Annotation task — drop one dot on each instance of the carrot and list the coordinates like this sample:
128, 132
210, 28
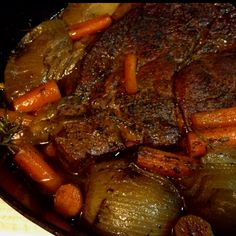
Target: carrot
33, 164
50, 150
216, 118
223, 136
195, 145
38, 97
179, 119
89, 27
165, 163
220, 136
130, 80
68, 200
17, 117
192, 225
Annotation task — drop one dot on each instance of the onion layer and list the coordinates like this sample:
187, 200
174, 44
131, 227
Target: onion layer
121, 201
211, 192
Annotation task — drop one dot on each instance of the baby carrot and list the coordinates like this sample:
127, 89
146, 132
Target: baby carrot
68, 200
165, 163
130, 80
216, 118
192, 225
220, 136
38, 97
195, 145
17, 117
89, 27
33, 164
50, 150
215, 137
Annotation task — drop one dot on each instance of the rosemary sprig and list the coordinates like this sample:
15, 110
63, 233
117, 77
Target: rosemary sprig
8, 130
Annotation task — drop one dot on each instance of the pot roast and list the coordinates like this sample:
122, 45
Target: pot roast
186, 63
130, 152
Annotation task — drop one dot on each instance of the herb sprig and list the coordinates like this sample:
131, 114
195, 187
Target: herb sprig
8, 130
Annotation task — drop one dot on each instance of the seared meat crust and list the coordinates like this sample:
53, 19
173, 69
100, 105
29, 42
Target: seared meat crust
207, 84
166, 39
181, 31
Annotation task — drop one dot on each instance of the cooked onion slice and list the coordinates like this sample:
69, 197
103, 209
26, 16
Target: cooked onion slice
122, 201
76, 13
211, 192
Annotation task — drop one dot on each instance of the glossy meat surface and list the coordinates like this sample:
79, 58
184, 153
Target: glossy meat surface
180, 31
114, 120
207, 84
166, 38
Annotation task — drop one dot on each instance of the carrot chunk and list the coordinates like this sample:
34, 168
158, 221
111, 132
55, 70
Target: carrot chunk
220, 136
223, 136
130, 80
17, 117
195, 145
33, 164
50, 151
89, 27
192, 225
216, 118
38, 97
68, 200
165, 163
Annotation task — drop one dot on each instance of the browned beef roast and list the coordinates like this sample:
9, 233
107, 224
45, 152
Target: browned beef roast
176, 30
207, 84
165, 38
116, 120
